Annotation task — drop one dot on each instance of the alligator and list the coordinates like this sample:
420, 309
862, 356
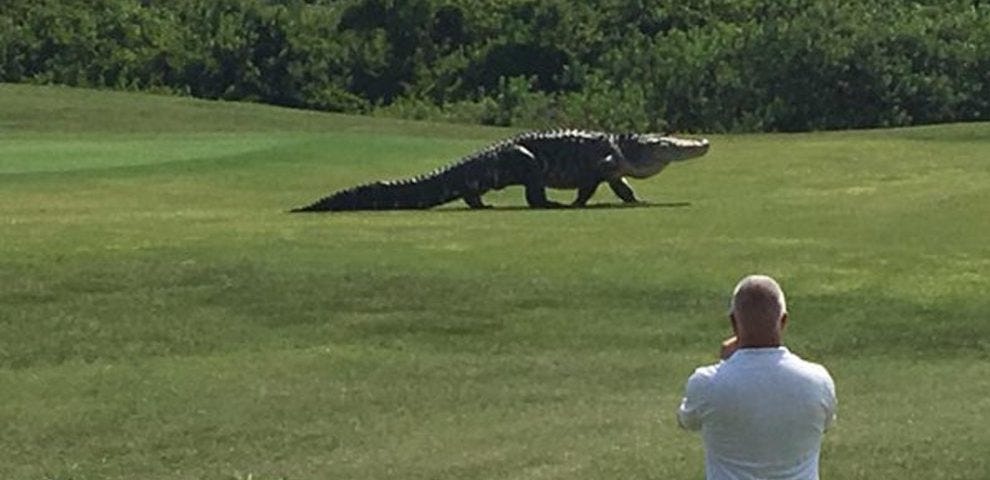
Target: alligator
564, 159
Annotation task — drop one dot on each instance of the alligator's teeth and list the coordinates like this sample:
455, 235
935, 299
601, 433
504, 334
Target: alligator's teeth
687, 142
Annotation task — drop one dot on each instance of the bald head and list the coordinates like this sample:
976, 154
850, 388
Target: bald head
758, 308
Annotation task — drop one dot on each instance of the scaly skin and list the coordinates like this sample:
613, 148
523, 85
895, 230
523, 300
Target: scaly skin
565, 159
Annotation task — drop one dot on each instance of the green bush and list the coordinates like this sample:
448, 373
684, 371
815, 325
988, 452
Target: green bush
711, 65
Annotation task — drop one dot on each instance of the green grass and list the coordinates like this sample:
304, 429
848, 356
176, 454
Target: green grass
162, 317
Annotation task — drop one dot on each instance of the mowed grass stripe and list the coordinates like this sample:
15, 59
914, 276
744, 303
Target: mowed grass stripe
451, 416
164, 317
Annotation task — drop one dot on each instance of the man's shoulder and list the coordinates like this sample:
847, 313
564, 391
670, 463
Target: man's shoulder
808, 367
705, 373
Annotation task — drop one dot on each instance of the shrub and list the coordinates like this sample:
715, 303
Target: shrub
779, 65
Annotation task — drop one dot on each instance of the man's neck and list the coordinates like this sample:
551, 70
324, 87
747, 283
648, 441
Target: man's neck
759, 343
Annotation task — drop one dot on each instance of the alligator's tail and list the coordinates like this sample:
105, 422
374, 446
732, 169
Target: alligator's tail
424, 191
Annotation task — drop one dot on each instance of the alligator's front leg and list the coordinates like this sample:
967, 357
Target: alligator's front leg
621, 188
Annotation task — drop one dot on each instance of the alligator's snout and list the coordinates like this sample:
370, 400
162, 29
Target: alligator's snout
687, 148
702, 145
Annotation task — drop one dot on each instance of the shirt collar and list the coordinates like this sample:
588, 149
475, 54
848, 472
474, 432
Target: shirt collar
761, 350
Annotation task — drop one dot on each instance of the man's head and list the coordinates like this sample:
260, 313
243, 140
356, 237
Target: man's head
759, 311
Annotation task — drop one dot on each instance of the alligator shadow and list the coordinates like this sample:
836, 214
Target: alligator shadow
594, 206
510, 208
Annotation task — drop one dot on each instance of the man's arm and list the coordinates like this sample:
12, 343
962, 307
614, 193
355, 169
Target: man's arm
691, 411
831, 402
729, 346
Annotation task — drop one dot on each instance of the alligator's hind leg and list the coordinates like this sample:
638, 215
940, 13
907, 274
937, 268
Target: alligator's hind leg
584, 194
474, 201
536, 192
528, 171
536, 196
621, 188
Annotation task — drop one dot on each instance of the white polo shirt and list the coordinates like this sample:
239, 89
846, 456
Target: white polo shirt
761, 413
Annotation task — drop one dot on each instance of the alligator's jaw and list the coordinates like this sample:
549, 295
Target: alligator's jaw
656, 152
686, 148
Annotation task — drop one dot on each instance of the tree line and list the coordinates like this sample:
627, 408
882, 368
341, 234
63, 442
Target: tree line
686, 65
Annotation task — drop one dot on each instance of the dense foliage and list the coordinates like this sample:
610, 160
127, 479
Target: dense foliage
710, 65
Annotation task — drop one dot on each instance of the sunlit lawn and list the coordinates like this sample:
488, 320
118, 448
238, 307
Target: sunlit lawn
161, 316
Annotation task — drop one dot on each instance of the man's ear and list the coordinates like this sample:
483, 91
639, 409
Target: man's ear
783, 321
732, 320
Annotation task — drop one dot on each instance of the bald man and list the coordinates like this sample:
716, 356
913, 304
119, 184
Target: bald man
762, 410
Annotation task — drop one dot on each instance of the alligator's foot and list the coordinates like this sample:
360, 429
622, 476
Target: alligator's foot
474, 201
633, 202
551, 204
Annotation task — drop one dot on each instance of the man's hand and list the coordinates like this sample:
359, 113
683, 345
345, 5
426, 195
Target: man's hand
729, 346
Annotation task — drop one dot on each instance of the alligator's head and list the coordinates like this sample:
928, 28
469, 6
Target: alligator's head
647, 154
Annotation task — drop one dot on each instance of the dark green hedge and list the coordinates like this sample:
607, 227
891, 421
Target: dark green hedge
711, 65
